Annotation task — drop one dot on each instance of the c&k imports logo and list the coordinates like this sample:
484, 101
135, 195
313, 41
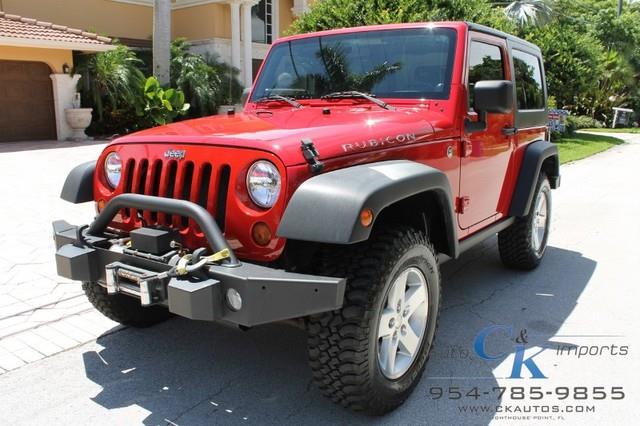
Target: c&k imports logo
520, 360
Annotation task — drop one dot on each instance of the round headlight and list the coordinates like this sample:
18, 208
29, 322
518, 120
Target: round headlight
263, 183
113, 169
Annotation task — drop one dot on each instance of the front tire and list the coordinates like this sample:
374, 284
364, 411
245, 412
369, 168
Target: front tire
370, 355
123, 309
522, 245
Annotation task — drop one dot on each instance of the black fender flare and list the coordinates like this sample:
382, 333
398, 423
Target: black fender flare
535, 155
78, 187
326, 208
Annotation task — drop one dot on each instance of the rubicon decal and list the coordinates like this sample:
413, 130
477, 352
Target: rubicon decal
401, 139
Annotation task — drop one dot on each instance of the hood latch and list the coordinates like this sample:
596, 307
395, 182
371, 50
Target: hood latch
311, 155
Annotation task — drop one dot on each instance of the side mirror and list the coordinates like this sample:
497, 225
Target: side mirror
490, 96
245, 95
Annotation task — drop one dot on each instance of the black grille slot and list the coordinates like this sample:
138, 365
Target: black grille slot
169, 184
156, 173
187, 180
128, 181
221, 202
205, 181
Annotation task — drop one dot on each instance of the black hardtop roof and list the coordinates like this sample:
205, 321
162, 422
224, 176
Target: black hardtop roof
501, 34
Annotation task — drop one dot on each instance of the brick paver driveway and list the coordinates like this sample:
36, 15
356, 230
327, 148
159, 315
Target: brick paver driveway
40, 312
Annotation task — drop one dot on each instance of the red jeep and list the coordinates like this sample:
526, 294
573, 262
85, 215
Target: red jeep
362, 159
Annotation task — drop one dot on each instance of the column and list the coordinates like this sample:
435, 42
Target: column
64, 88
247, 54
235, 33
161, 40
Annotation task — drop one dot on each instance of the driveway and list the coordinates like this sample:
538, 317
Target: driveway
584, 295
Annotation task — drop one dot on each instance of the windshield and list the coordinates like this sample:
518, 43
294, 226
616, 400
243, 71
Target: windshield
409, 63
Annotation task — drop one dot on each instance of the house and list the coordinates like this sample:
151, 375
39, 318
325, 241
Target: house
238, 31
35, 85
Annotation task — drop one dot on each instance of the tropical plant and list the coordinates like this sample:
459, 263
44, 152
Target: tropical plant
158, 106
111, 79
194, 76
527, 12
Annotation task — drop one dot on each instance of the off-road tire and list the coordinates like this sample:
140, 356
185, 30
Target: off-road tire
515, 242
123, 309
342, 344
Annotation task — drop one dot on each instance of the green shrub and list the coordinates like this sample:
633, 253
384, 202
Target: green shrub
328, 14
577, 122
158, 106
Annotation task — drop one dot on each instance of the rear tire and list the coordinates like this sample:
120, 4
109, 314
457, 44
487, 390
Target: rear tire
349, 348
123, 309
522, 245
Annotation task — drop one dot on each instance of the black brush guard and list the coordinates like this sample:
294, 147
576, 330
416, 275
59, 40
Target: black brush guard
267, 294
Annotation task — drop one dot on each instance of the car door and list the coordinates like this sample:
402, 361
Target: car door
485, 154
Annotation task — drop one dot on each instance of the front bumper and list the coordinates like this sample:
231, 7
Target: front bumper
268, 294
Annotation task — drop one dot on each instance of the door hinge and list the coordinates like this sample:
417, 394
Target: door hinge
467, 148
310, 154
462, 203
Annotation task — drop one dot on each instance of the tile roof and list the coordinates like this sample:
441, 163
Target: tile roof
26, 28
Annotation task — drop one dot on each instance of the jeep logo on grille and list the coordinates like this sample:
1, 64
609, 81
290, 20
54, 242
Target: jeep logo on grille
177, 154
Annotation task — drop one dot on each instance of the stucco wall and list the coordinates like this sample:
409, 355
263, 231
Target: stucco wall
202, 22
286, 16
105, 17
111, 18
55, 58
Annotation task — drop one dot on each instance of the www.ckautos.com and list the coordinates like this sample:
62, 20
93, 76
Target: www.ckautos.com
526, 409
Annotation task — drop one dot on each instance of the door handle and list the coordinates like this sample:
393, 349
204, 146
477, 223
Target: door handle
509, 131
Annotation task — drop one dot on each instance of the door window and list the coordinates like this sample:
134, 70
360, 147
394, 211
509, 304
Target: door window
485, 63
529, 91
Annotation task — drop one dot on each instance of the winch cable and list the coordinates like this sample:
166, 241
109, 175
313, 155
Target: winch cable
184, 267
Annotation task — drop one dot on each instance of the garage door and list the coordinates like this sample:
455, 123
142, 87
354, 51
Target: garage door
26, 101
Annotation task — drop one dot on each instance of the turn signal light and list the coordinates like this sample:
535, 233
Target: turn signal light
100, 205
366, 217
261, 234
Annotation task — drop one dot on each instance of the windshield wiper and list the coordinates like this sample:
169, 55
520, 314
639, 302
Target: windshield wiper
274, 97
356, 94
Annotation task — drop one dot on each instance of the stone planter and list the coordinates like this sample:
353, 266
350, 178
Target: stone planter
78, 119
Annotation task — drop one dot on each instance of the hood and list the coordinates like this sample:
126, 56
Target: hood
340, 132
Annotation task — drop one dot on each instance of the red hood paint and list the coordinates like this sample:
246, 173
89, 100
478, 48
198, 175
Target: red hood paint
349, 128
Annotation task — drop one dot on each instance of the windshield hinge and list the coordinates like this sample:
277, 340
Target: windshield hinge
311, 155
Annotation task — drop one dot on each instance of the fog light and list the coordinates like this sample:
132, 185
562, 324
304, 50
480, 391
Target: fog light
234, 300
261, 234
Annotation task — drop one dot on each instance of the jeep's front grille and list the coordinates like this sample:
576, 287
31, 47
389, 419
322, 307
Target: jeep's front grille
202, 183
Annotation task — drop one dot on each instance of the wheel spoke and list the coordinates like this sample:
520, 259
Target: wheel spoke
385, 327
536, 239
413, 299
409, 341
389, 350
396, 294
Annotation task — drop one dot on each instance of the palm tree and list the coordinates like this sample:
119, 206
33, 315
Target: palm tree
527, 12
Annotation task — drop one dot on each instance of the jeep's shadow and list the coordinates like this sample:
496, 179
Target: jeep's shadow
190, 373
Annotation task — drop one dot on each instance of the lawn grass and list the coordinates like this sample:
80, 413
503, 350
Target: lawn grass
605, 130
582, 145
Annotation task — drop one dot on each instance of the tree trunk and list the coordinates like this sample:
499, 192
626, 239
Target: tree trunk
161, 40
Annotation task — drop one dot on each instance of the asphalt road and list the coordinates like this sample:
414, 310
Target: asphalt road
584, 294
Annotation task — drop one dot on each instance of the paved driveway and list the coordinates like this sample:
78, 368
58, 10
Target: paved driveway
40, 313
188, 373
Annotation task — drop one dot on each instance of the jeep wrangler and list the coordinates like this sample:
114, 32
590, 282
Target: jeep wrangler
363, 158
